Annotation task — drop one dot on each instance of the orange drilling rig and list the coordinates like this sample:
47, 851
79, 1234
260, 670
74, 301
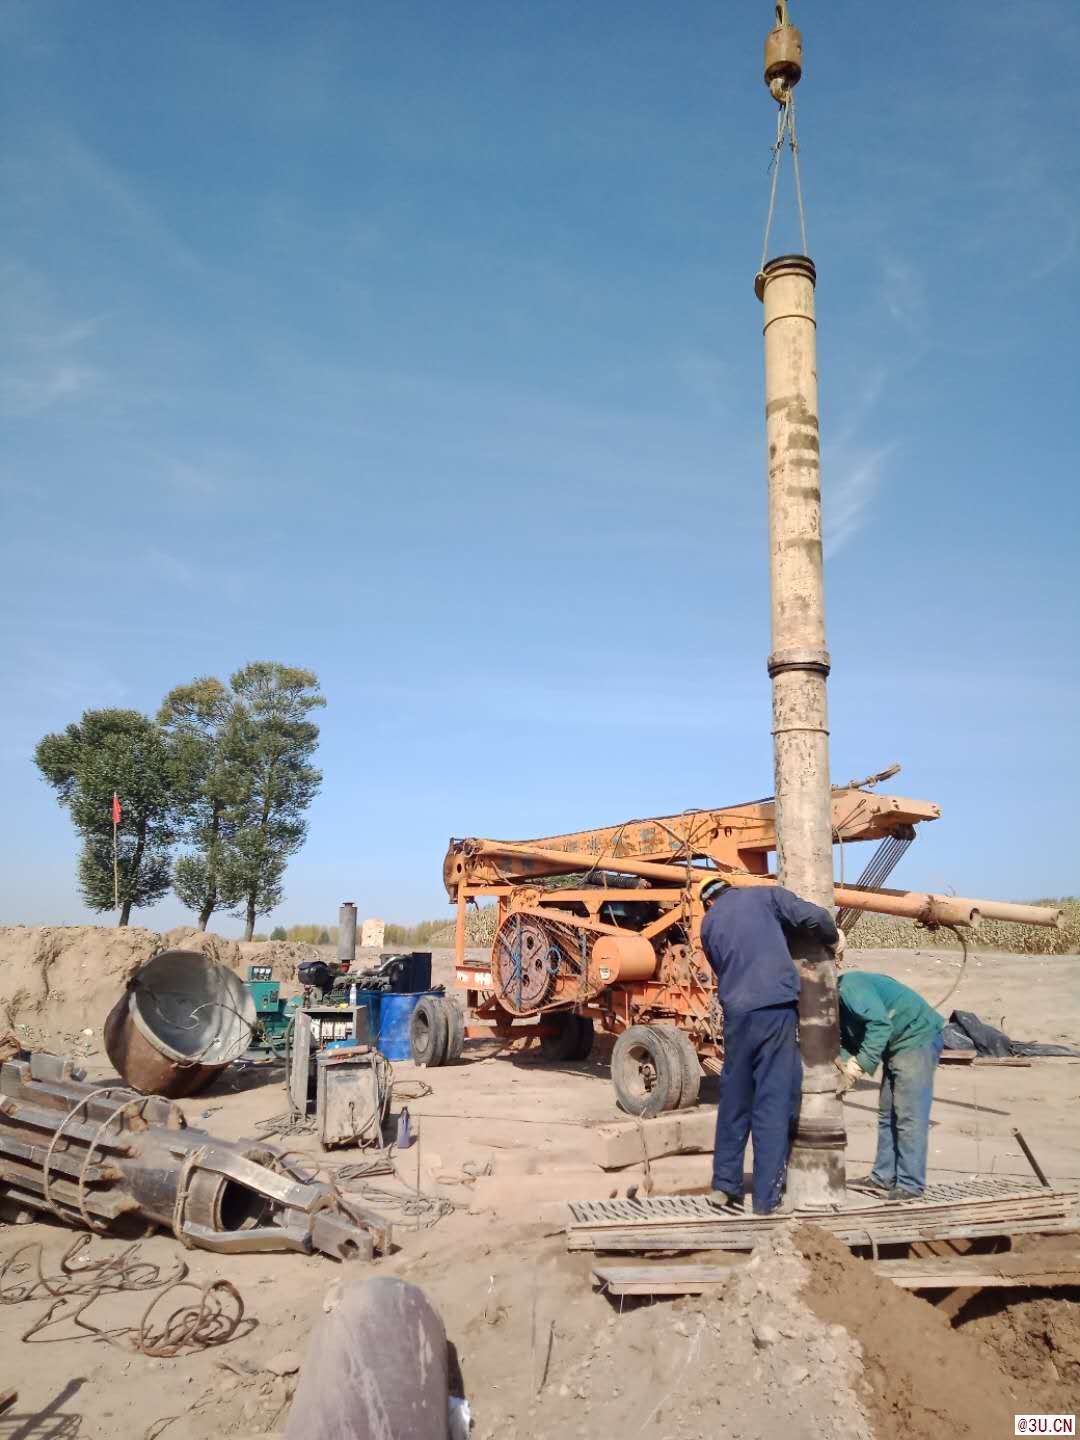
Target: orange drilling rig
603, 927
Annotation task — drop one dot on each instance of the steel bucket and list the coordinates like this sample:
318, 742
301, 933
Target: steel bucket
181, 1021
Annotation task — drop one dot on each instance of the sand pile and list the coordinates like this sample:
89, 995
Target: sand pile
544, 1354
1036, 1342
59, 981
921, 1378
804, 1341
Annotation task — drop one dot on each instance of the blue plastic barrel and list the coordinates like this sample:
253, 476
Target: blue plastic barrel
394, 1016
370, 1000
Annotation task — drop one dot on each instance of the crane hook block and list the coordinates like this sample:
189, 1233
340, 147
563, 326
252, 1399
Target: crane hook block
783, 60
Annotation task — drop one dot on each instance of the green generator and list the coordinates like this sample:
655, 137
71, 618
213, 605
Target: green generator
273, 1015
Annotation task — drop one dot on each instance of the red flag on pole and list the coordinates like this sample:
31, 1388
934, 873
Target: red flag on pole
115, 809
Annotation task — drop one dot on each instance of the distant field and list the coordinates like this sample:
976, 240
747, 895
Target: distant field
873, 932
884, 932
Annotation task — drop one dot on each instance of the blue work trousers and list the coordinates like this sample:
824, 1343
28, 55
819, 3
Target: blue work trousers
760, 1086
907, 1093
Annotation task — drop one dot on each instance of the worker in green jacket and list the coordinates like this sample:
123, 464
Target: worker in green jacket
885, 1023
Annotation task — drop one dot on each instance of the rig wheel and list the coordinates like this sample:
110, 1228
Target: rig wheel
560, 1038
429, 1031
583, 1048
647, 1070
689, 1065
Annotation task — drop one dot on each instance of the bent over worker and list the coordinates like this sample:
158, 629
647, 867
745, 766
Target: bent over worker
745, 936
885, 1023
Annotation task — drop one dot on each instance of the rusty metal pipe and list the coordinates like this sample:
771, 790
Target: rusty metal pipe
906, 904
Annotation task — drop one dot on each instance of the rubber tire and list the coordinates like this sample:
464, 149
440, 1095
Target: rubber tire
561, 1043
585, 1036
666, 1061
455, 1027
429, 1031
688, 1063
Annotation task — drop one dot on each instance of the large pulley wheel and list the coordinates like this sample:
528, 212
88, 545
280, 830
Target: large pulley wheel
647, 1070
525, 961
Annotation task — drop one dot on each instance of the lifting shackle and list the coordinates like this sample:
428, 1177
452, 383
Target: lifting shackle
783, 56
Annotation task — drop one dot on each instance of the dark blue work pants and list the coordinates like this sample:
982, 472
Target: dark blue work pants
760, 1086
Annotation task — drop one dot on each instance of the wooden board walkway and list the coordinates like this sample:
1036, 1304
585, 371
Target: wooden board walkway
955, 1272
990, 1206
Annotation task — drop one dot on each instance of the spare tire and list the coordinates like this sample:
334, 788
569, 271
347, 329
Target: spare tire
429, 1031
689, 1065
646, 1070
455, 1026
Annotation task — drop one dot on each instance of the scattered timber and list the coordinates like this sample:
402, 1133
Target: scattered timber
957, 1272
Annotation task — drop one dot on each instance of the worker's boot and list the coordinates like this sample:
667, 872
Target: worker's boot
897, 1194
721, 1200
870, 1186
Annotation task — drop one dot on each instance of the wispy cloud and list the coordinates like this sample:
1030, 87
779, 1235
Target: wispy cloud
706, 377
41, 363
171, 568
27, 394
855, 478
903, 294
109, 187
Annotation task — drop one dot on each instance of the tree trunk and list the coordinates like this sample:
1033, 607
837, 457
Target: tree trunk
249, 928
132, 876
210, 903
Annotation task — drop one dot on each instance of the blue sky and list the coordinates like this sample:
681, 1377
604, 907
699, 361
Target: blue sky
417, 344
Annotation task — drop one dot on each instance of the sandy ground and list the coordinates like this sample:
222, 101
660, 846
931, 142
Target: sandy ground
500, 1253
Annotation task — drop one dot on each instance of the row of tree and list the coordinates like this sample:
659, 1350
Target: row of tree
224, 772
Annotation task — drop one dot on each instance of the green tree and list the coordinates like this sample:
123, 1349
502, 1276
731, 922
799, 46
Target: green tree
124, 752
278, 933
200, 720
273, 741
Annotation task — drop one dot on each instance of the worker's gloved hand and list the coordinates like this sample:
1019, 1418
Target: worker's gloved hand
840, 946
848, 1071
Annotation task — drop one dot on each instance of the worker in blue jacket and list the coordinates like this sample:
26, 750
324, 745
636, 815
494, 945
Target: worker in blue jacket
745, 936
885, 1023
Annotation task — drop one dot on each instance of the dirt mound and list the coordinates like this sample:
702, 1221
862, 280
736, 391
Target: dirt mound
542, 1353
921, 1377
1036, 1342
59, 981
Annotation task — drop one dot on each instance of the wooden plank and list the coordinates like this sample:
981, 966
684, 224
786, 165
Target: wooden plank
963, 1271
640, 1240
955, 1273
664, 1279
653, 1213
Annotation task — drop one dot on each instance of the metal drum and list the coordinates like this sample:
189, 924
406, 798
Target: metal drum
180, 1022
